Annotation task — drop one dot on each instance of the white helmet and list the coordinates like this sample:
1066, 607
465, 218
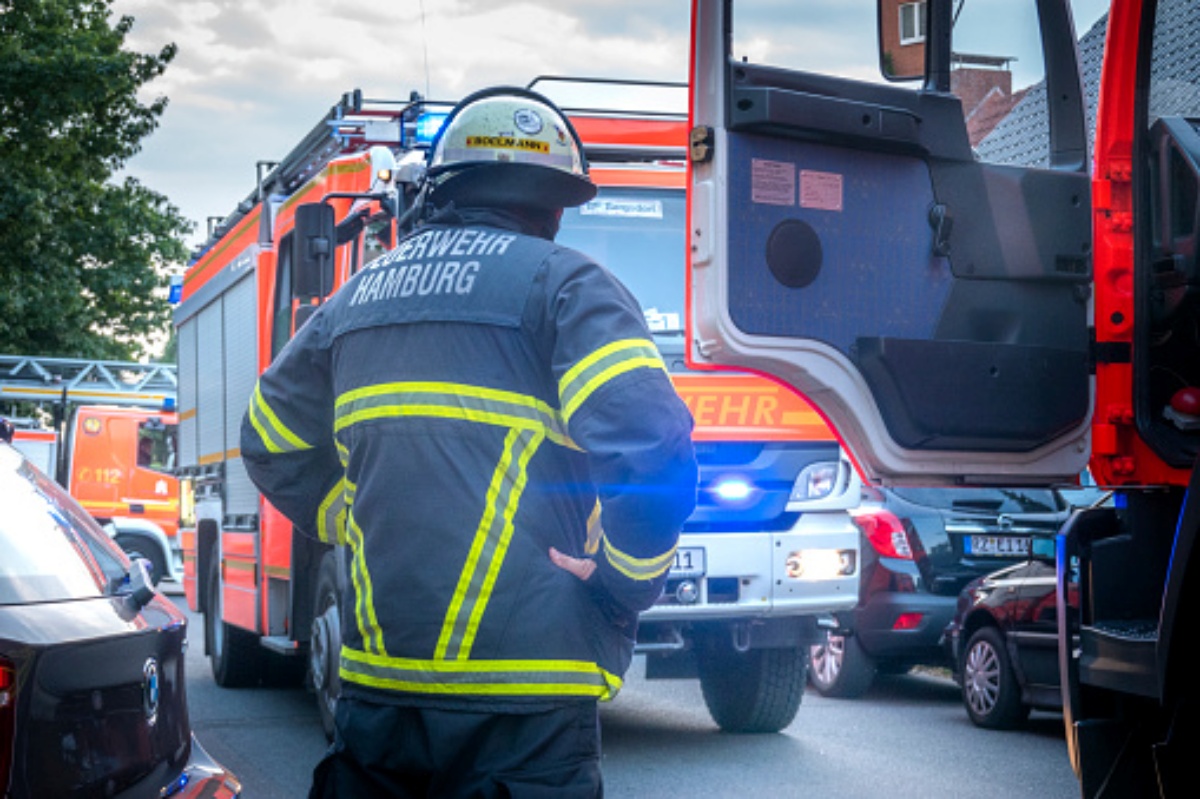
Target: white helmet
507, 146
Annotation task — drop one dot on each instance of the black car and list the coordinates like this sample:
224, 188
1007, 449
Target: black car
920, 547
92, 691
1004, 641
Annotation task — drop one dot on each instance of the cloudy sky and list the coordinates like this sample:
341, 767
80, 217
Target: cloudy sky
254, 76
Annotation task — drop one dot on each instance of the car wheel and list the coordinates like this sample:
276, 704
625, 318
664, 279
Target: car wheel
135, 546
989, 686
840, 668
758, 691
325, 645
234, 654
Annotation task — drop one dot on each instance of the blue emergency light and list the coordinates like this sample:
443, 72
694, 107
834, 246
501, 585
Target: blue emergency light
175, 293
733, 491
428, 125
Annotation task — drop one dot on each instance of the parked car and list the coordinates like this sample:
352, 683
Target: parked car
1003, 639
920, 547
92, 690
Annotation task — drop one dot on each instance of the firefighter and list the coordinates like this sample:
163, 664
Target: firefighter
482, 416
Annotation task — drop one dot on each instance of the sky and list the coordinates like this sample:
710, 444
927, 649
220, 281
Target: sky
252, 77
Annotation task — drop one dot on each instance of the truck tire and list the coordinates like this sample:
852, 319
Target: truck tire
839, 668
136, 546
989, 686
234, 654
325, 644
757, 691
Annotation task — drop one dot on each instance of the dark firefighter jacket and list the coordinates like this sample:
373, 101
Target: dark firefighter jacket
467, 401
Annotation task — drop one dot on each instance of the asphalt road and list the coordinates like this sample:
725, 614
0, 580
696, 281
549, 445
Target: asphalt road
909, 737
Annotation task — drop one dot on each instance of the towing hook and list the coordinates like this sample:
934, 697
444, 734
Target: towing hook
741, 637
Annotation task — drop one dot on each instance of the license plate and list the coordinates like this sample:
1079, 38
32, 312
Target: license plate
1003, 545
689, 562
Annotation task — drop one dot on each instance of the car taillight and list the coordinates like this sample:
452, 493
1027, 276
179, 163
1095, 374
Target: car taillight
885, 532
8, 710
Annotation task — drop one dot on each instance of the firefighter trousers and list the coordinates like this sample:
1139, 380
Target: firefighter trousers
414, 752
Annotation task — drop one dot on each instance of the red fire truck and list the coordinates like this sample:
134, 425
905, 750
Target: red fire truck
1010, 308
770, 549
115, 458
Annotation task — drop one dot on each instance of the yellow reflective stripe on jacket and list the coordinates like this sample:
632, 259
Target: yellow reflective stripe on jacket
585, 377
513, 678
638, 568
275, 435
451, 401
331, 514
489, 546
594, 531
364, 604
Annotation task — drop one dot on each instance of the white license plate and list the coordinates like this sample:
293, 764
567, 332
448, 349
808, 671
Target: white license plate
689, 562
1003, 545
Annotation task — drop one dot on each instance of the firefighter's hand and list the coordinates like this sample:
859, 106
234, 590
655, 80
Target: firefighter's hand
580, 567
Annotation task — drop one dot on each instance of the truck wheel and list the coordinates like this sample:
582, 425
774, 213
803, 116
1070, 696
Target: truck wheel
989, 687
325, 644
135, 546
752, 692
839, 668
234, 654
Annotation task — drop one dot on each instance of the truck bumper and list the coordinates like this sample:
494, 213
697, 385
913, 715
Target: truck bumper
810, 569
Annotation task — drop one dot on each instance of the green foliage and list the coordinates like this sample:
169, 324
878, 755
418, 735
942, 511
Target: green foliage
83, 258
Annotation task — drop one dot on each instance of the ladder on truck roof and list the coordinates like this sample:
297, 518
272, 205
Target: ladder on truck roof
352, 125
82, 380
356, 123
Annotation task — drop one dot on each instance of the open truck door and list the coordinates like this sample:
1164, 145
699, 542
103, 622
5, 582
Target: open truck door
863, 240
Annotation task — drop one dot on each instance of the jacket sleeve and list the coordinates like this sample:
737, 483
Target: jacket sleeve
623, 411
287, 437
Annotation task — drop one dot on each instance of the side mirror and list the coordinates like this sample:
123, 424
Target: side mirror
313, 242
902, 34
141, 587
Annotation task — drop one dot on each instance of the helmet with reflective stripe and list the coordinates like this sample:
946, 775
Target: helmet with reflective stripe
507, 146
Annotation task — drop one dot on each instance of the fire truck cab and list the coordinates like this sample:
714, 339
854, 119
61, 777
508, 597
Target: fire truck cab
974, 290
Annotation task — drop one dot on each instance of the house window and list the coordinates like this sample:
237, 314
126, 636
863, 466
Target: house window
912, 23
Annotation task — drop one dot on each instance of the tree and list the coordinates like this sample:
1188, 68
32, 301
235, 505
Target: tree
84, 258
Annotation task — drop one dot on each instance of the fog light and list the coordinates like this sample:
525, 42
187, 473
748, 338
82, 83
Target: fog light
687, 592
820, 564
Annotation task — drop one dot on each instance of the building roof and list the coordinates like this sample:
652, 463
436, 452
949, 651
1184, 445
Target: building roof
1022, 138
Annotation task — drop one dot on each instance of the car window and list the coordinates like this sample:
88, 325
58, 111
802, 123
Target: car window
50, 549
985, 500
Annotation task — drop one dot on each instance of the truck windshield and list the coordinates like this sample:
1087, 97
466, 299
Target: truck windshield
638, 235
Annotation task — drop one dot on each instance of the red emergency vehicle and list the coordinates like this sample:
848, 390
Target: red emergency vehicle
1016, 303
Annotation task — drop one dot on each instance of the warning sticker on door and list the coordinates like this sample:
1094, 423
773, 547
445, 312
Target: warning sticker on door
772, 182
820, 190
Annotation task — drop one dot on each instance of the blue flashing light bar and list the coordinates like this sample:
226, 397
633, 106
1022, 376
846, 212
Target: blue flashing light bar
428, 125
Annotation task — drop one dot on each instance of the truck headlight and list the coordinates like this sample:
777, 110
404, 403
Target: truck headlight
817, 481
821, 564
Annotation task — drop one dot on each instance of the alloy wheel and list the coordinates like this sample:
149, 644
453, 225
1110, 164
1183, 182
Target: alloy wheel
981, 678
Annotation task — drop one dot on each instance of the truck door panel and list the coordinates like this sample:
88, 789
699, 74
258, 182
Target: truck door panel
861, 251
